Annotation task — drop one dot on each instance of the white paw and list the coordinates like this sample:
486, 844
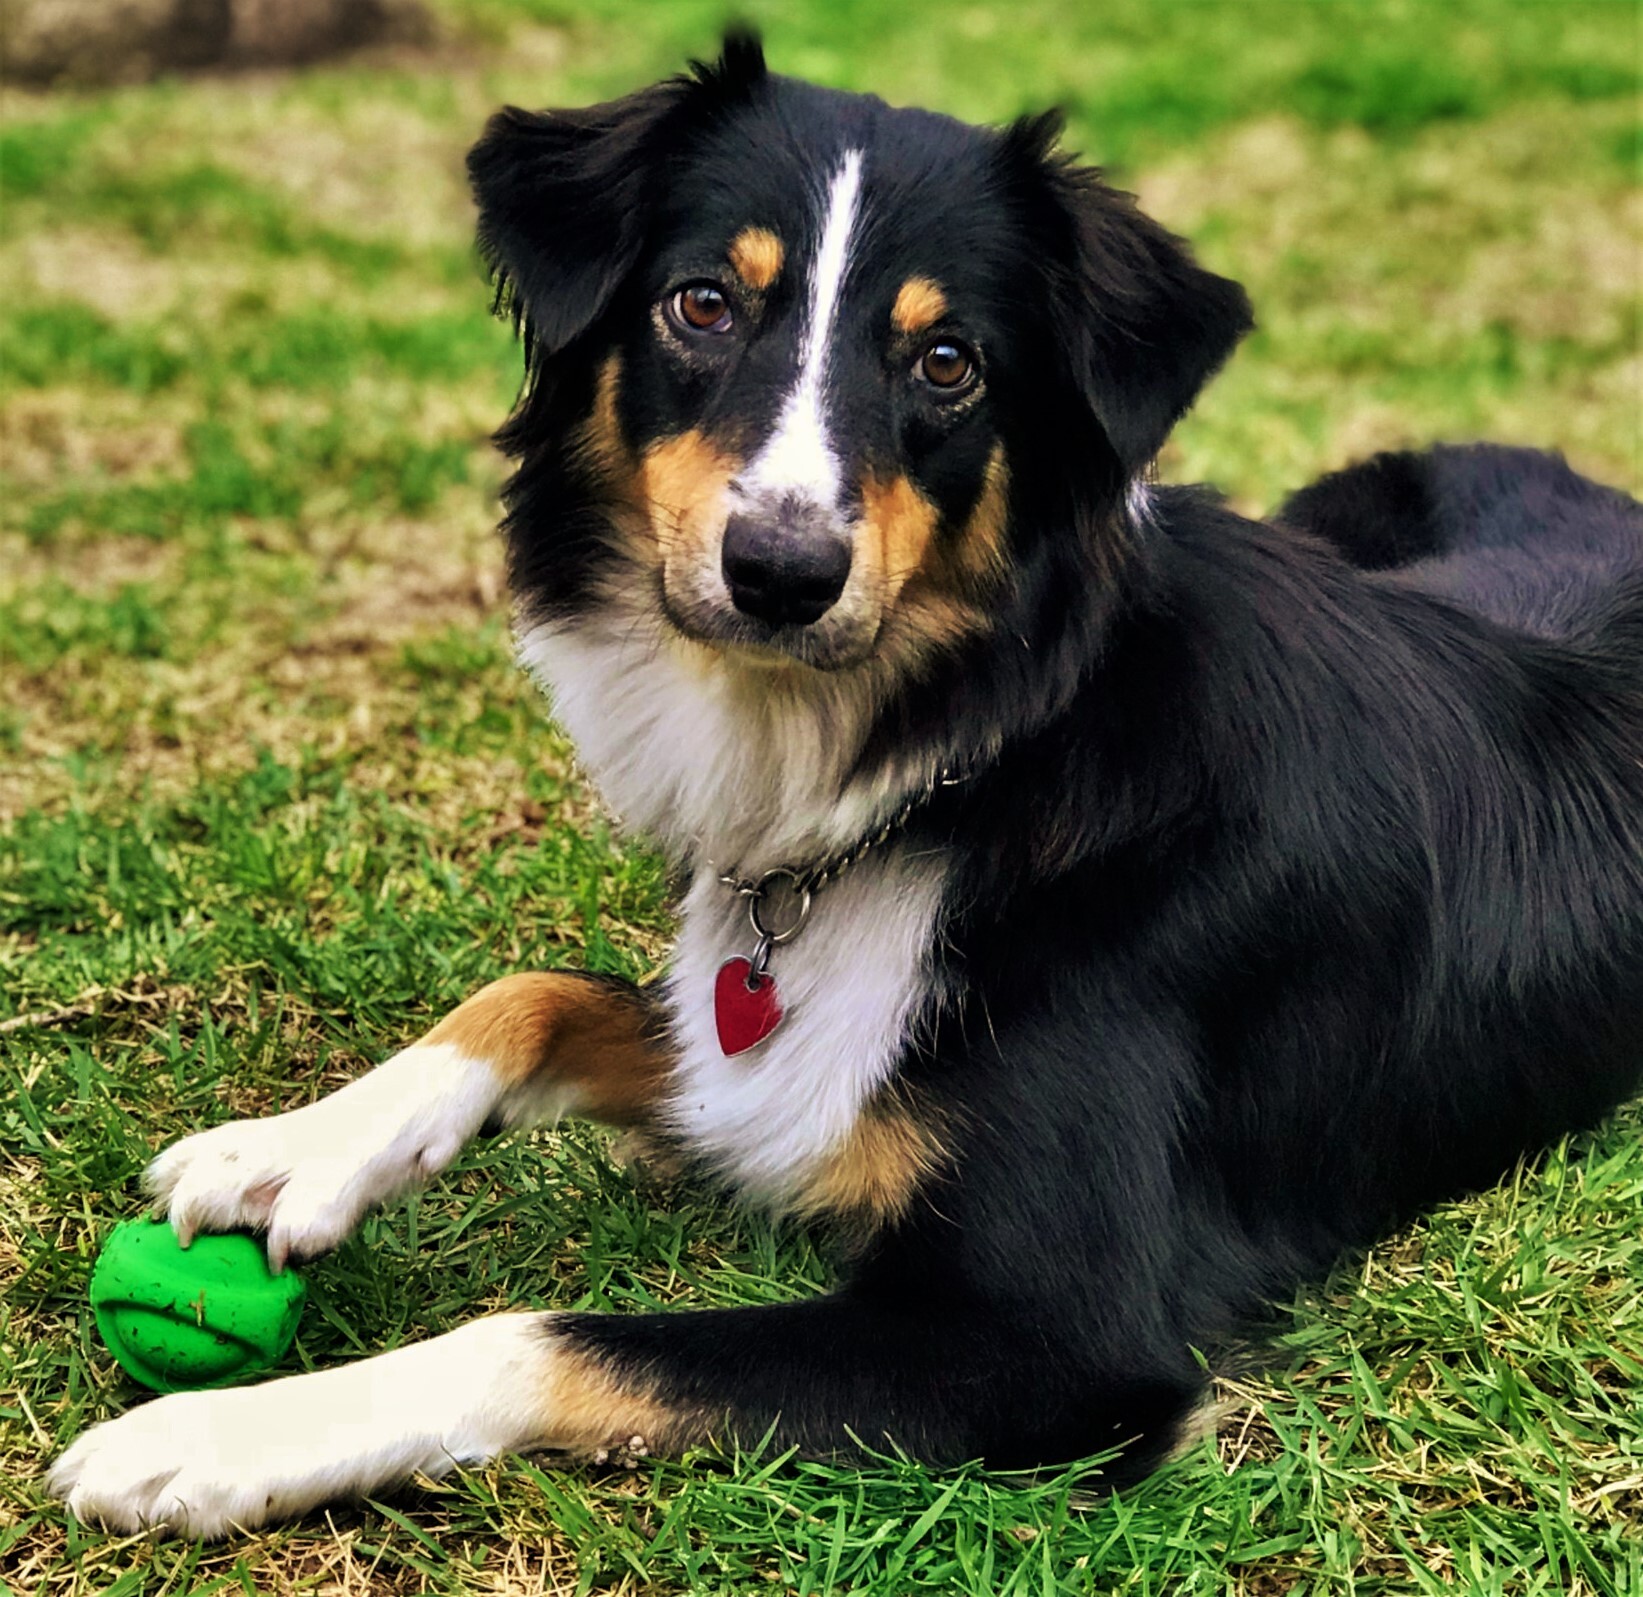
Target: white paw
308, 1177
197, 1464
203, 1464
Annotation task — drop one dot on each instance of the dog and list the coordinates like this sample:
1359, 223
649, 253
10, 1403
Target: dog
1101, 909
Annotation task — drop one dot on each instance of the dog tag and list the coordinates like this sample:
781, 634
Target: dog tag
745, 1007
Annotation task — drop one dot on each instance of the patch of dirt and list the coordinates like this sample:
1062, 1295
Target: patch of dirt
373, 169
97, 569
1268, 160
280, 665
1489, 228
118, 277
76, 43
52, 436
387, 577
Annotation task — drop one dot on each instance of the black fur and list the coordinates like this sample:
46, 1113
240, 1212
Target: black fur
1300, 874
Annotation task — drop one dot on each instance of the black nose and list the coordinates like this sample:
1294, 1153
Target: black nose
783, 572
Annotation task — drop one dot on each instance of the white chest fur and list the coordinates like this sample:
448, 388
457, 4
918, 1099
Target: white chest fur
852, 986
710, 759
745, 768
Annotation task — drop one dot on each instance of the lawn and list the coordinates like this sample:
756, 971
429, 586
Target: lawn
272, 795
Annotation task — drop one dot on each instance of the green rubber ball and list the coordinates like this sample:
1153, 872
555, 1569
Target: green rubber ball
176, 1318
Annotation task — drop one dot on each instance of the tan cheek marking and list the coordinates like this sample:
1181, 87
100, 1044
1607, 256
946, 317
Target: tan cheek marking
683, 481
584, 1034
607, 459
919, 304
943, 598
877, 1172
756, 256
586, 1409
981, 553
930, 622
901, 525
602, 440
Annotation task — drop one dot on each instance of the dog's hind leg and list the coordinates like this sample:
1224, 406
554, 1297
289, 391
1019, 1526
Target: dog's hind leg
527, 1048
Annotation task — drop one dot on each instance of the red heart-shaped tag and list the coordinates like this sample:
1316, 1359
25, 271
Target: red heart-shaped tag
746, 1013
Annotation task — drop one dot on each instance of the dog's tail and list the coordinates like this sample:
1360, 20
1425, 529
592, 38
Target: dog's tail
1512, 534
1379, 513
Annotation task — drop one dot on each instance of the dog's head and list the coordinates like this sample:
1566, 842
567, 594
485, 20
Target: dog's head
821, 378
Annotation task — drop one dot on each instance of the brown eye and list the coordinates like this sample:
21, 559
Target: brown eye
702, 307
947, 365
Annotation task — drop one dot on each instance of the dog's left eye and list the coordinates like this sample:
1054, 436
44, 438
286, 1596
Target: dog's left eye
946, 365
701, 308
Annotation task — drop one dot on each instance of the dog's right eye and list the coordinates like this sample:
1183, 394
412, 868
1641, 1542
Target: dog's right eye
701, 308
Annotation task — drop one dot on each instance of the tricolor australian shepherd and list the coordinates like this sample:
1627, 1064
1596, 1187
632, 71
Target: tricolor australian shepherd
1103, 908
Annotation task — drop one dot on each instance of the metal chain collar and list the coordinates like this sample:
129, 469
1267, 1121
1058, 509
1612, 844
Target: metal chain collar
803, 883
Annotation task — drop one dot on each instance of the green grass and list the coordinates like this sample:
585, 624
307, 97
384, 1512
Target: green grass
318, 349
272, 795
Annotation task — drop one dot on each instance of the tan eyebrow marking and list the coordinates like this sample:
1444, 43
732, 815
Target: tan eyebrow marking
756, 256
920, 303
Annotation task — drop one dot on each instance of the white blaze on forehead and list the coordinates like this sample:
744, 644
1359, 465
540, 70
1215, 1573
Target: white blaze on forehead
798, 457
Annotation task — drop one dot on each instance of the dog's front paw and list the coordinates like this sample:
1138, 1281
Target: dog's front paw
308, 1177
204, 1464
196, 1464
207, 1463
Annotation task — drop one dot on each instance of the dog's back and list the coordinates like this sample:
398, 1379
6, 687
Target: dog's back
1513, 534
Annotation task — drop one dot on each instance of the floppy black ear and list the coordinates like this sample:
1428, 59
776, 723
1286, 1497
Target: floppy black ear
1144, 325
564, 195
561, 199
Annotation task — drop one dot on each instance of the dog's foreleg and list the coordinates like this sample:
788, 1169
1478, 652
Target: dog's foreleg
526, 1048
947, 1380
206, 1463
